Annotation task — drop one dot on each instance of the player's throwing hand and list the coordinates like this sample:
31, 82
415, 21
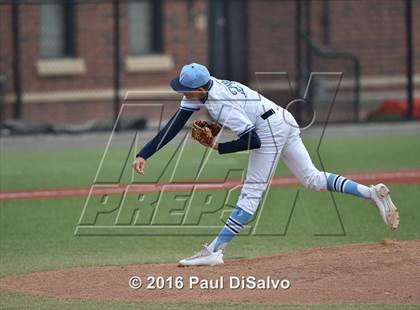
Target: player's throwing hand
138, 165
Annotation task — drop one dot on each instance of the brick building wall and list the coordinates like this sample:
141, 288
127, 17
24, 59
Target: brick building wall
94, 44
271, 37
6, 50
371, 30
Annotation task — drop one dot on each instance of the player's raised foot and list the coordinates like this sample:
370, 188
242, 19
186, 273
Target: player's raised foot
387, 209
203, 258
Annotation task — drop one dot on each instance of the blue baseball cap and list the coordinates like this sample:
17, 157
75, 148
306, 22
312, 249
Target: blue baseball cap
192, 76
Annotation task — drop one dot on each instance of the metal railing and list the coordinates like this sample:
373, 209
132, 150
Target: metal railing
328, 53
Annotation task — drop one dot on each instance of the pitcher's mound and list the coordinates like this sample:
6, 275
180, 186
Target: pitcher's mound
383, 273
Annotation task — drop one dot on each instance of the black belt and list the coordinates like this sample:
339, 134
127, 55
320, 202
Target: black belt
267, 114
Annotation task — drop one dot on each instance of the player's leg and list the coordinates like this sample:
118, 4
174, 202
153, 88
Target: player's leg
296, 157
234, 224
261, 166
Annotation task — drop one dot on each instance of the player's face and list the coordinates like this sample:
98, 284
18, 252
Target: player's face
197, 94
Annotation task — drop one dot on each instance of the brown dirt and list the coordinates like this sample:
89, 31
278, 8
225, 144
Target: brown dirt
380, 273
411, 176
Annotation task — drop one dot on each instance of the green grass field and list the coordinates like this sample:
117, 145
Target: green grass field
38, 234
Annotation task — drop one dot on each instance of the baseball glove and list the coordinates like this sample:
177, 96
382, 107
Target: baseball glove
205, 132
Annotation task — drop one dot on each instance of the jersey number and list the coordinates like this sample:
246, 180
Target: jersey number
233, 88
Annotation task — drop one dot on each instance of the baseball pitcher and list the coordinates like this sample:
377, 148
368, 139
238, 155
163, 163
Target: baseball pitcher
269, 131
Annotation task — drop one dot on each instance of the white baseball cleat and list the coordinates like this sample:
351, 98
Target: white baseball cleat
387, 209
203, 258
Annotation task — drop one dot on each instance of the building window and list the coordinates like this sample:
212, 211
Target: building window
144, 27
57, 30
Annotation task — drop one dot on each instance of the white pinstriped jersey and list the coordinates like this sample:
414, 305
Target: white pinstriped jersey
232, 104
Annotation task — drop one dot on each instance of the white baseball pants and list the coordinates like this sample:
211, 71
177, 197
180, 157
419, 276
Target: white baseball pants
262, 162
